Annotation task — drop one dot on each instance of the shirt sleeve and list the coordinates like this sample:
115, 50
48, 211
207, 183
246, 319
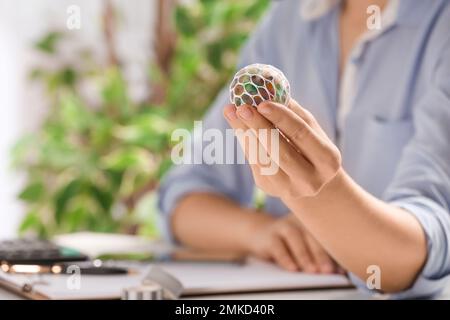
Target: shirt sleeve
232, 180
422, 181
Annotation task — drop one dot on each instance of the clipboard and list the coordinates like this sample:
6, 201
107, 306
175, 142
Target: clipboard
25, 291
55, 287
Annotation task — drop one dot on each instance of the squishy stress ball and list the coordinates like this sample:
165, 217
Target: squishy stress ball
256, 83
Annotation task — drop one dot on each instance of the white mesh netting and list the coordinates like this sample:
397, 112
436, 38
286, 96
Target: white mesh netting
256, 83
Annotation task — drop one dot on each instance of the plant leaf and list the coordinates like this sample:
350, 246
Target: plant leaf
48, 43
33, 192
63, 197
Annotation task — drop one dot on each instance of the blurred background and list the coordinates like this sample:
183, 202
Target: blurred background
90, 91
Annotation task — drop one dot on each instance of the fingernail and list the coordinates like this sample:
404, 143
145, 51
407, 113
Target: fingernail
231, 114
264, 108
245, 113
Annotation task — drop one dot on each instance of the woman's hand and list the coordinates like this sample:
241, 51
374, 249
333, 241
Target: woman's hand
354, 226
286, 242
306, 158
350, 223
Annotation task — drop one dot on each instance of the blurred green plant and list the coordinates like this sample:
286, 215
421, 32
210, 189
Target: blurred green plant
96, 165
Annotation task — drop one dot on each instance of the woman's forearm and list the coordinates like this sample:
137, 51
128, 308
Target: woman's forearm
359, 230
213, 222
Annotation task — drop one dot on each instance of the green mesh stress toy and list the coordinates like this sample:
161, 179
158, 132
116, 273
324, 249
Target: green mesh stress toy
256, 83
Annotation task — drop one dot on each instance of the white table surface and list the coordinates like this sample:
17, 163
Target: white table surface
99, 240
329, 294
284, 295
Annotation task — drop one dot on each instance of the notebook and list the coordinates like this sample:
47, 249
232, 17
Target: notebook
197, 279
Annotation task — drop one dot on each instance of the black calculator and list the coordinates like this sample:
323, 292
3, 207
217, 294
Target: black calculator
37, 252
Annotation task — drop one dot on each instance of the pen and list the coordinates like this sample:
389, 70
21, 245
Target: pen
95, 267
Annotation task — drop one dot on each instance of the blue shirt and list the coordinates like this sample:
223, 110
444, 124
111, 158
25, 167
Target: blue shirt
395, 138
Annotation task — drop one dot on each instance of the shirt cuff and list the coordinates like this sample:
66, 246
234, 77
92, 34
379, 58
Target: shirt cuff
435, 274
423, 287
